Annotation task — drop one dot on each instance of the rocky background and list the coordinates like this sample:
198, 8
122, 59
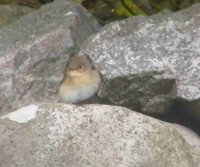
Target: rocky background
150, 69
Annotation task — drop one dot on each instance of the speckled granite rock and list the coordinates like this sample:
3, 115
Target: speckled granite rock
191, 137
146, 61
90, 135
34, 51
11, 13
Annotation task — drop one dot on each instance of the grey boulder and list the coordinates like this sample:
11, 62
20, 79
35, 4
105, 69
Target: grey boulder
89, 135
148, 61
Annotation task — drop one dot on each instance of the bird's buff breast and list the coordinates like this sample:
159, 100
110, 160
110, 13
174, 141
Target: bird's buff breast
79, 88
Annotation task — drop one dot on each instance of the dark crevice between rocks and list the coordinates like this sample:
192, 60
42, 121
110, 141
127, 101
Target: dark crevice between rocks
180, 112
183, 112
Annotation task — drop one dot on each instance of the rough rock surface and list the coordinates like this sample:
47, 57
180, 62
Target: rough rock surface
34, 51
191, 138
89, 135
148, 60
10, 13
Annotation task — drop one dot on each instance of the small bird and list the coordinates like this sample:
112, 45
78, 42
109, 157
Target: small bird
81, 80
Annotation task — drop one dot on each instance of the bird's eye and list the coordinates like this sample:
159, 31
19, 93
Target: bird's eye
80, 67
